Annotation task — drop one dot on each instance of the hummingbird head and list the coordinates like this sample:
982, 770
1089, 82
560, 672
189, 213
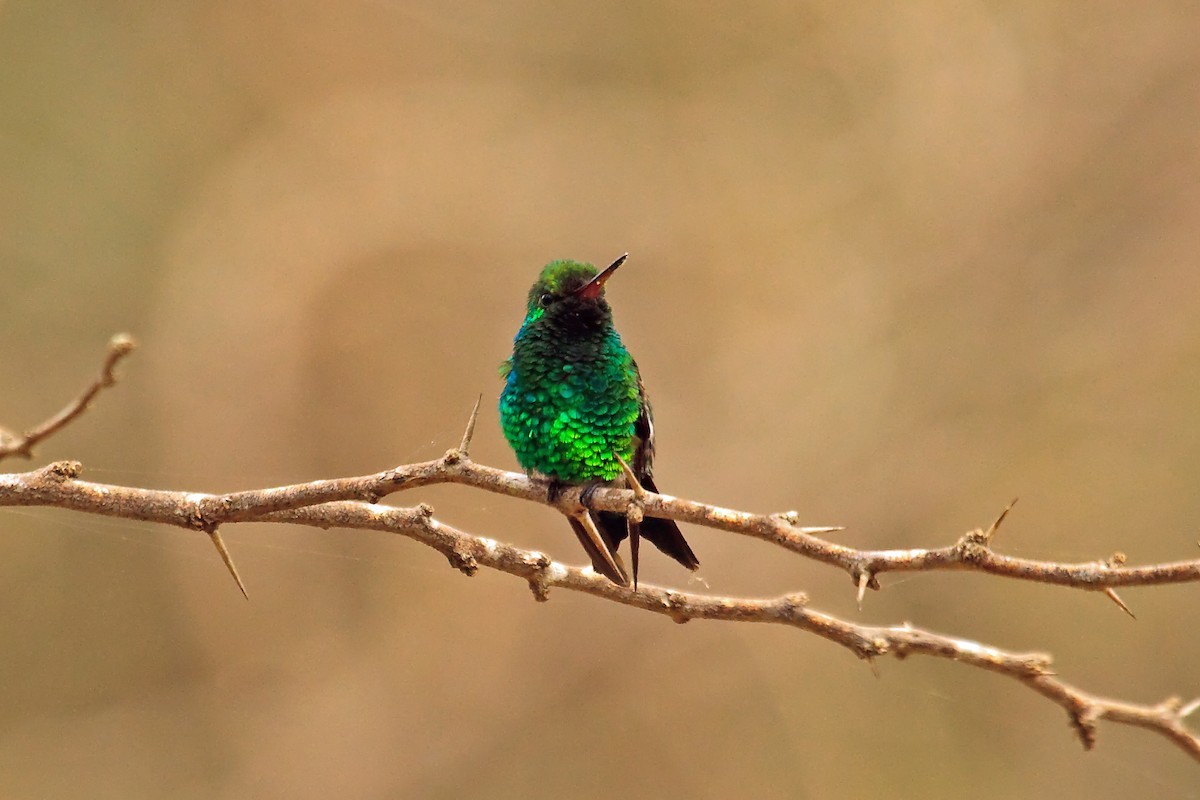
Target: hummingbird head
569, 295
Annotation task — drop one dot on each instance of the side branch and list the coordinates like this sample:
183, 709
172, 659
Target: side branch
22, 445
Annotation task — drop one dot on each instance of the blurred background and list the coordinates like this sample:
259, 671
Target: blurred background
890, 267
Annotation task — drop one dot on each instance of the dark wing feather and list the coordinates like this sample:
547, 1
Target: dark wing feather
662, 533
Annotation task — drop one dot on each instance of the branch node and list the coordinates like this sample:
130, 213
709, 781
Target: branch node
1189, 709
1083, 719
538, 578
397, 477
1169, 707
791, 606
1036, 665
538, 561
537, 585
462, 561
60, 471
424, 510
973, 546
676, 606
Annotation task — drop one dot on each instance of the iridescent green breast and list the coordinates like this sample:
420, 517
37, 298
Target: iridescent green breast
569, 404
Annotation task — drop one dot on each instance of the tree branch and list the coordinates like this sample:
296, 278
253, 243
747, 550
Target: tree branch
352, 503
971, 552
119, 346
57, 485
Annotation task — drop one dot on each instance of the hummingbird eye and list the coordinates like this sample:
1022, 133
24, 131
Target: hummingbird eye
545, 300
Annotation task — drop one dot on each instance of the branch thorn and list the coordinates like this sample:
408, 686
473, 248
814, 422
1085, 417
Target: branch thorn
635, 485
1116, 598
634, 516
219, 543
465, 446
1000, 519
864, 578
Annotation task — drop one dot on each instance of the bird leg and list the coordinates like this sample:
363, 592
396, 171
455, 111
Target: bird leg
554, 489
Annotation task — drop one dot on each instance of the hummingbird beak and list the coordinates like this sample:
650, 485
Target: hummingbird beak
591, 290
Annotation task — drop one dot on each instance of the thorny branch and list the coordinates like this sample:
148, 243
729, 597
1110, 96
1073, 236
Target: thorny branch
352, 503
11, 444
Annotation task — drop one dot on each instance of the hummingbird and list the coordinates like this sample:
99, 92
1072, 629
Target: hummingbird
574, 407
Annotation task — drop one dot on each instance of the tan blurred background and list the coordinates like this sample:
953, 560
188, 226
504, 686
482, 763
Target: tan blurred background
889, 267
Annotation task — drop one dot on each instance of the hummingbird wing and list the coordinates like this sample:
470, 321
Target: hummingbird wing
665, 534
662, 533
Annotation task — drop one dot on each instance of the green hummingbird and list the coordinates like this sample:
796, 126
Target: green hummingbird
573, 407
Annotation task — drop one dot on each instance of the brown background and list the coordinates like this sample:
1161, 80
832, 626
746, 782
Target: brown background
889, 266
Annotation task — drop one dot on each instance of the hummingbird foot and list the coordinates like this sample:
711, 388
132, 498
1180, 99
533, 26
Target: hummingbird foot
585, 496
555, 488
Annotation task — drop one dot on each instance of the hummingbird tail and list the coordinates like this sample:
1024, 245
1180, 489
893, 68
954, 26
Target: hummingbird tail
602, 551
662, 533
665, 534
601, 533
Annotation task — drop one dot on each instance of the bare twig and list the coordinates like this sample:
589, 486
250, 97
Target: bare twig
119, 346
58, 485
